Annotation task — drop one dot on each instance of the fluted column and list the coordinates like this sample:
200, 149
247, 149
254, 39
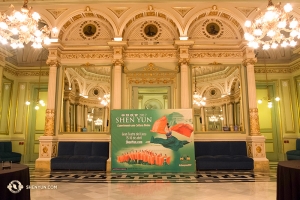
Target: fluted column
117, 85
67, 115
140, 98
230, 116
202, 119
253, 111
105, 118
166, 105
224, 115
255, 141
49, 122
78, 118
185, 88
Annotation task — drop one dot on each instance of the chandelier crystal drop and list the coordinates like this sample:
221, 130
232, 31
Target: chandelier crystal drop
21, 27
273, 27
105, 100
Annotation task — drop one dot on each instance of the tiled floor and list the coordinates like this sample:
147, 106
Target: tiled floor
203, 185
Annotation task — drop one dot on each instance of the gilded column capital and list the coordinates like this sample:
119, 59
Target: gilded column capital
254, 122
251, 61
52, 62
184, 61
118, 62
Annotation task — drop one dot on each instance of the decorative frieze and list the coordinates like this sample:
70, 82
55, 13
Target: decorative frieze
138, 55
251, 61
216, 54
87, 56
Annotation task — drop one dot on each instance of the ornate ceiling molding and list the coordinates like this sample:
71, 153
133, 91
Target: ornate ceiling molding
284, 70
246, 10
118, 11
19, 72
182, 10
57, 12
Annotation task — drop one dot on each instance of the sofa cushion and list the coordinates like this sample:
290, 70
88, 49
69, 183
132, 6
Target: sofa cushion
9, 154
100, 149
1, 146
83, 148
7, 147
96, 159
298, 144
238, 148
202, 148
65, 148
293, 152
220, 148
60, 159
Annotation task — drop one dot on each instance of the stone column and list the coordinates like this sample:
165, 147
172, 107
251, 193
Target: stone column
78, 118
140, 98
255, 141
67, 115
185, 86
117, 85
166, 105
3, 54
224, 114
230, 116
85, 113
202, 118
48, 142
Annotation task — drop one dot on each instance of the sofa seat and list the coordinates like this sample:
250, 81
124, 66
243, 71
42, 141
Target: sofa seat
225, 155
294, 154
6, 153
81, 156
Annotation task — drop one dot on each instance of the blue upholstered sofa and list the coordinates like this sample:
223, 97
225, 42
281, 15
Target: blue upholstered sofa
294, 154
6, 153
81, 156
223, 155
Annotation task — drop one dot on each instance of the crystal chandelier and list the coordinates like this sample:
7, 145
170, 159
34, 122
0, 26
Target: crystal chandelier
105, 100
19, 27
273, 27
98, 122
213, 118
197, 98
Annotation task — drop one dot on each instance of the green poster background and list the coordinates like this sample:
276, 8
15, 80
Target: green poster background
143, 142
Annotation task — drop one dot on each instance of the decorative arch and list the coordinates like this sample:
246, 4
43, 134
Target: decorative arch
81, 15
221, 14
208, 86
156, 14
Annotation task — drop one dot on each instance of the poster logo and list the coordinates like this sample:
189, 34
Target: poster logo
15, 186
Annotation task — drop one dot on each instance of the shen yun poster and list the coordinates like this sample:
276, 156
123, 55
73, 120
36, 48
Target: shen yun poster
152, 141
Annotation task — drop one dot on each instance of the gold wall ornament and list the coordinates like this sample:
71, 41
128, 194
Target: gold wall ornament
138, 55
20, 72
54, 149
118, 11
254, 122
216, 54
45, 150
151, 67
87, 64
183, 10
270, 70
49, 123
151, 81
103, 56
215, 63
44, 147
250, 61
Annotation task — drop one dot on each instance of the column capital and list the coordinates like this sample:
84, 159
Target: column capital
184, 61
52, 62
251, 61
118, 62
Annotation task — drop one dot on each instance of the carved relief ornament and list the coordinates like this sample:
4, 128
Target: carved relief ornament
49, 125
52, 62
254, 122
250, 61
216, 54
118, 62
184, 61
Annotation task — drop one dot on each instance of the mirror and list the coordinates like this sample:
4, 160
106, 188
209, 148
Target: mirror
217, 98
86, 99
5, 104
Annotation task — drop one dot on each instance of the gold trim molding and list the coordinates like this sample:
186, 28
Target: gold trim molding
87, 56
216, 55
254, 122
49, 125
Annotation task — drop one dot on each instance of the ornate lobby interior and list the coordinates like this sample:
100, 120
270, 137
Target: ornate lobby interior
108, 55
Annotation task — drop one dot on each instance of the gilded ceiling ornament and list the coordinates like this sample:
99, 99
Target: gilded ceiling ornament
215, 63
246, 10
56, 12
118, 62
182, 10
119, 11
183, 61
52, 62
